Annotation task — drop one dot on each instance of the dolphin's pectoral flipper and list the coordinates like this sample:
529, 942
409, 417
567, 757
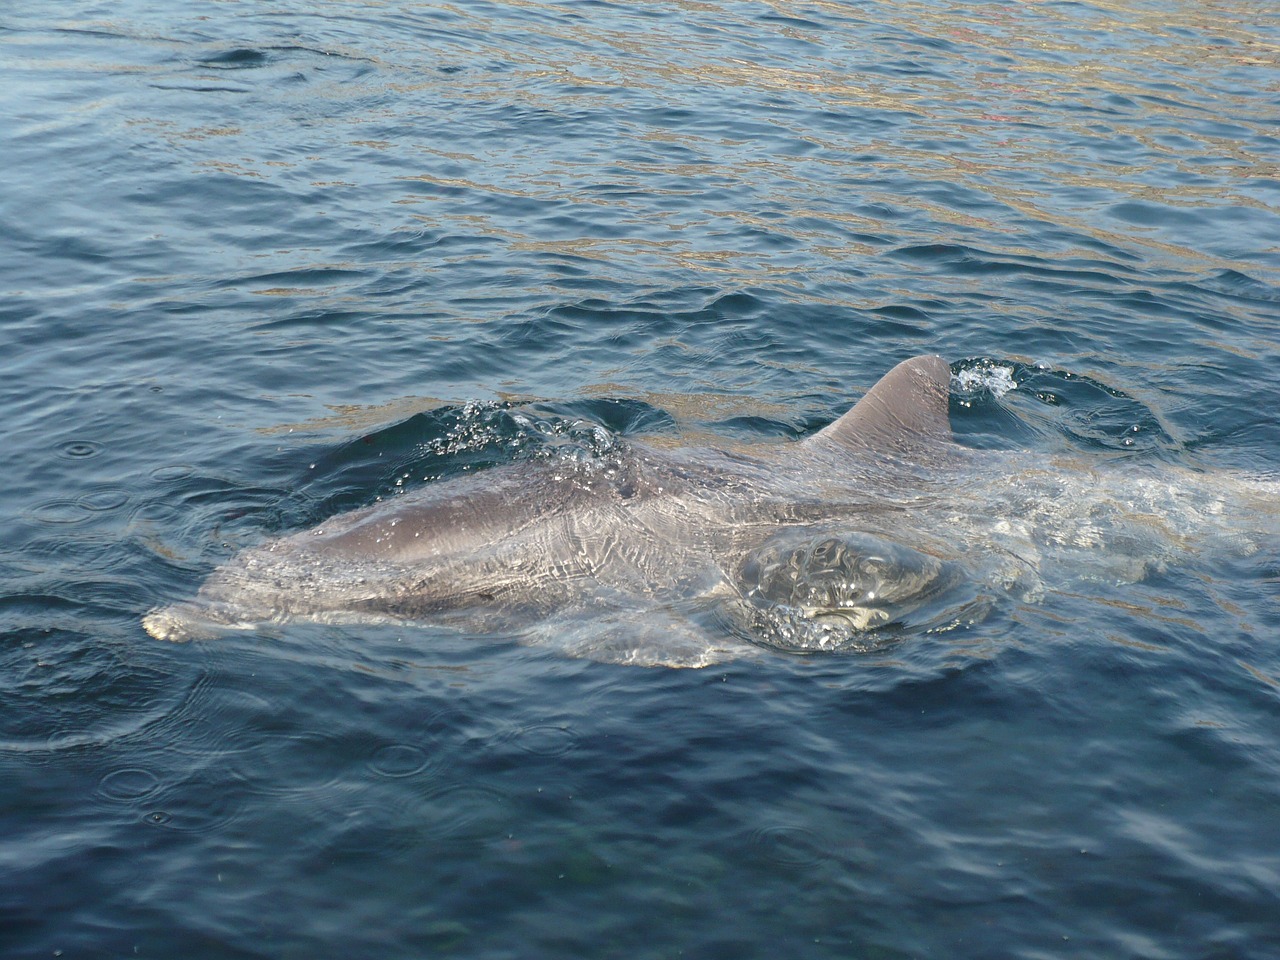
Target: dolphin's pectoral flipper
826, 588
904, 412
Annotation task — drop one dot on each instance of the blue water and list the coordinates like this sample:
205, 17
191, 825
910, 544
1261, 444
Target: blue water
264, 262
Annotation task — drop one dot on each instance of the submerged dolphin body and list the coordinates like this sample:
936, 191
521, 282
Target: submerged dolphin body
687, 559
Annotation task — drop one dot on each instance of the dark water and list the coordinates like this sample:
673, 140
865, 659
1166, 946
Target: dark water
260, 263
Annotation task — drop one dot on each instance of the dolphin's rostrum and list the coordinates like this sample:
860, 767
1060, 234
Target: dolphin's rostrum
689, 558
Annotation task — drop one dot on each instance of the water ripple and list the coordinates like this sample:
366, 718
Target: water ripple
546, 739
80, 449
206, 803
128, 785
399, 760
67, 693
467, 812
789, 845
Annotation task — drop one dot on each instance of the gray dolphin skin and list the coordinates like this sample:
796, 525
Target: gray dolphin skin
688, 558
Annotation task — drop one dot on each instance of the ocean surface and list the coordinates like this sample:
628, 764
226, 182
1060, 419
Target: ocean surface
265, 262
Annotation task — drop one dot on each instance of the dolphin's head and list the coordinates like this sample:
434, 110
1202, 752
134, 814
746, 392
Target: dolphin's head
181, 622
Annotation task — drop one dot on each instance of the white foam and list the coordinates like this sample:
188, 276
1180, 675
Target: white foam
996, 380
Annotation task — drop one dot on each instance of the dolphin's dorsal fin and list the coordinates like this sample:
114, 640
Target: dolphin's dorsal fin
904, 411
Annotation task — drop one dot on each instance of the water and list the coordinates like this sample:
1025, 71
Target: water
263, 263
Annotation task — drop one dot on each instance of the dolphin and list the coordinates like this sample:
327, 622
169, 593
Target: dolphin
687, 558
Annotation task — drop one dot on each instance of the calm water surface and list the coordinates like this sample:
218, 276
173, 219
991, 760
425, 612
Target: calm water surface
264, 262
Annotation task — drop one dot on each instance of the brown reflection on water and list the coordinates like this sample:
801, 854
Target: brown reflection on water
743, 147
1053, 115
